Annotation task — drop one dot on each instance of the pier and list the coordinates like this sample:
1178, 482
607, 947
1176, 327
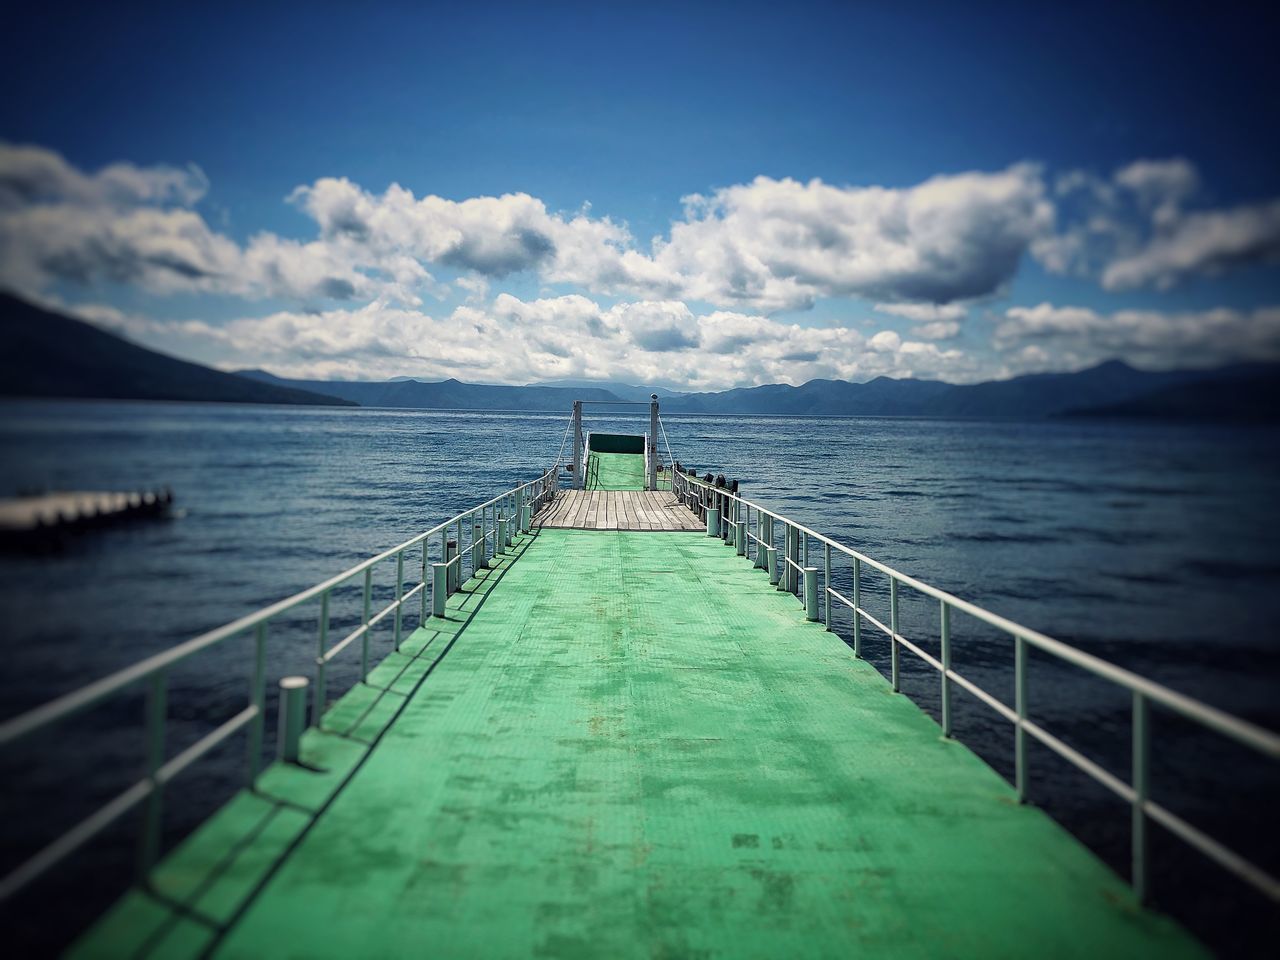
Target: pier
624, 744
622, 722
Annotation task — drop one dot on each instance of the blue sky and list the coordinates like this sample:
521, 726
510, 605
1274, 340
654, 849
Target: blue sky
905, 189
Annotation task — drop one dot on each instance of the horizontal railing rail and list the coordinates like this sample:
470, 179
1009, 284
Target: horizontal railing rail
489, 522
729, 516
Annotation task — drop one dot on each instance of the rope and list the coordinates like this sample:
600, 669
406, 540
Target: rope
563, 440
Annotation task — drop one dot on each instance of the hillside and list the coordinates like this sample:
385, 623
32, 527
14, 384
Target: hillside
48, 354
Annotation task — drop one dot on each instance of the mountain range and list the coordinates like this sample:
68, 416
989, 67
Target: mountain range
48, 354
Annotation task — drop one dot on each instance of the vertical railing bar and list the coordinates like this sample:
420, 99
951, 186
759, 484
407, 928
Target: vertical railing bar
422, 607
857, 608
399, 597
944, 628
826, 586
364, 619
1141, 789
153, 818
1020, 707
258, 697
894, 654
322, 645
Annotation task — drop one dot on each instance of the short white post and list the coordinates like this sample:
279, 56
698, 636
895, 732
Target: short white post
453, 563
478, 561
713, 522
501, 545
439, 588
775, 574
293, 714
811, 593
742, 538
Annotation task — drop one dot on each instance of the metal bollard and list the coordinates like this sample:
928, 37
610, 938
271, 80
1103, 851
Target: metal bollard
478, 561
811, 593
439, 588
771, 564
502, 540
455, 566
741, 537
713, 522
293, 716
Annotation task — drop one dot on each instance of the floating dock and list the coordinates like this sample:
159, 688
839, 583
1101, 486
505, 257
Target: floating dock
629, 742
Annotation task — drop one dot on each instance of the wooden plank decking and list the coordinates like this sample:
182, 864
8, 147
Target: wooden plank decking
617, 510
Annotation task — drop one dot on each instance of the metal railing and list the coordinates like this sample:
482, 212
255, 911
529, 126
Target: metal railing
730, 517
485, 522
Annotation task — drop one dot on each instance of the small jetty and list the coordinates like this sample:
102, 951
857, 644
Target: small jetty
622, 723
44, 519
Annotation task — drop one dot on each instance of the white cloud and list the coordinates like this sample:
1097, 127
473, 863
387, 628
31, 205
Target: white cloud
133, 225
1200, 243
518, 341
924, 312
781, 244
1064, 337
937, 330
1135, 229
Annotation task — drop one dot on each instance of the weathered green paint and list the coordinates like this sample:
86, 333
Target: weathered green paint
615, 471
629, 746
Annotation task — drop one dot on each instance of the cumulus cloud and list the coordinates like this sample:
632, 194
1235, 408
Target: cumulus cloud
781, 244
511, 340
134, 225
1048, 336
1137, 228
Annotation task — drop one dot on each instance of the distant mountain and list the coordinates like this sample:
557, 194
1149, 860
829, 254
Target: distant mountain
1240, 394
624, 391
1098, 391
48, 354
443, 395
1027, 397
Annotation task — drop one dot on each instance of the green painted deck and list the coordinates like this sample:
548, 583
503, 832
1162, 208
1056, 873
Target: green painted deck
615, 471
629, 745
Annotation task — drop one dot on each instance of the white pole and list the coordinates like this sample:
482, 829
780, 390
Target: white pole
577, 445
653, 442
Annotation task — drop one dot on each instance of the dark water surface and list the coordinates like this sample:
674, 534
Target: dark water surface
1154, 546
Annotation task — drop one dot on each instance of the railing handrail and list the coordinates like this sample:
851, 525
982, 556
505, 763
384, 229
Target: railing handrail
718, 502
154, 671
85, 697
1239, 729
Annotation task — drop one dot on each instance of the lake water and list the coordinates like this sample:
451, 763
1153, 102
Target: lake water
1154, 546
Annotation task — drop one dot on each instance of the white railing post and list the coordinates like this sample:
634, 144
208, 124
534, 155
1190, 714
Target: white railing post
293, 710
811, 593
454, 565
713, 521
771, 564
478, 561
439, 588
